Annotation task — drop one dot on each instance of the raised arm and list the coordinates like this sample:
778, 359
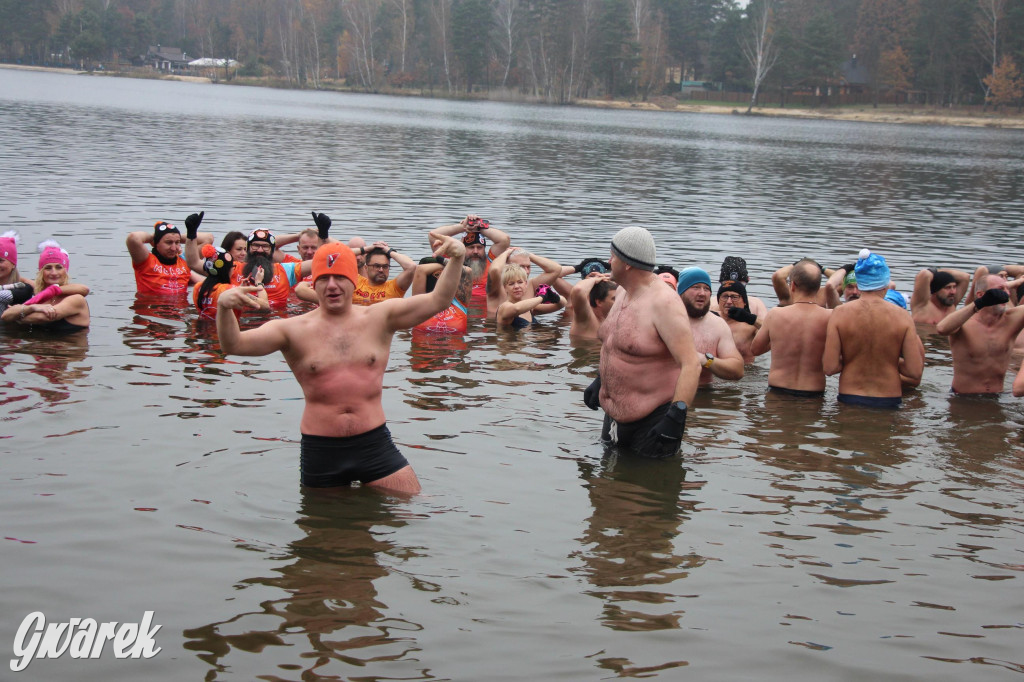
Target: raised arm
552, 270
762, 342
403, 313
138, 244
580, 298
781, 284
423, 271
922, 289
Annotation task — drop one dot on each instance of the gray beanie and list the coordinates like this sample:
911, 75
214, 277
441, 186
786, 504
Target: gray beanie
635, 247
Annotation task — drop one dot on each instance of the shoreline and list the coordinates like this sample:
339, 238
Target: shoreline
905, 114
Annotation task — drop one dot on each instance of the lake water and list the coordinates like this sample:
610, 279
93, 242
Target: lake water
144, 471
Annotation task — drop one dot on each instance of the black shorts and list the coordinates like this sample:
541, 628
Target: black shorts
882, 402
327, 462
795, 392
632, 435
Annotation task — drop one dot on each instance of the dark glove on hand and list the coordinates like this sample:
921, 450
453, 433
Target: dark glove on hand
848, 267
323, 224
592, 394
584, 263
548, 294
991, 297
743, 315
192, 224
13, 294
667, 435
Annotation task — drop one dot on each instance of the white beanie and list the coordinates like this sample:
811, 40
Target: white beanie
635, 247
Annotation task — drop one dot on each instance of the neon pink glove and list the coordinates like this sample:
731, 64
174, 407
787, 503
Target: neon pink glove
45, 295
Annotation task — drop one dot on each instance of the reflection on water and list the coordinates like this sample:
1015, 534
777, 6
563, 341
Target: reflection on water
791, 533
324, 613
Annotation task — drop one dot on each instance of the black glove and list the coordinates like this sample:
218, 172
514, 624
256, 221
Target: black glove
592, 394
548, 294
848, 267
991, 297
323, 224
667, 435
743, 315
584, 263
192, 225
13, 294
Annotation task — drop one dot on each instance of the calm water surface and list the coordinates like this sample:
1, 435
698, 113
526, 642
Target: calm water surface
142, 470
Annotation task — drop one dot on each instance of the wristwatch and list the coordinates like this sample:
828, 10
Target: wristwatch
709, 361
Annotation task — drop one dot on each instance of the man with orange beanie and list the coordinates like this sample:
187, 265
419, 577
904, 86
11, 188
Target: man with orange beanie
338, 353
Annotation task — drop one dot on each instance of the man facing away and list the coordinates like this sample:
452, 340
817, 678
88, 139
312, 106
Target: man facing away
338, 353
981, 336
795, 335
936, 293
872, 344
649, 367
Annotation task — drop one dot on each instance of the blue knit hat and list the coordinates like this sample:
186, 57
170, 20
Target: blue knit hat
690, 276
872, 271
893, 296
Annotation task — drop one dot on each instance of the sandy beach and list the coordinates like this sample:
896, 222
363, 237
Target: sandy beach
906, 114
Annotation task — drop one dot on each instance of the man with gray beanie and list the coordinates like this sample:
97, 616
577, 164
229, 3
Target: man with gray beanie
649, 367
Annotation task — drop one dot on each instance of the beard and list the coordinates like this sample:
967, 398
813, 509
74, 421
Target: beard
693, 311
477, 267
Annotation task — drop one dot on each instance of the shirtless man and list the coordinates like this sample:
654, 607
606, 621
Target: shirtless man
872, 344
844, 281
795, 335
338, 353
592, 300
827, 296
649, 367
716, 351
733, 304
937, 293
981, 336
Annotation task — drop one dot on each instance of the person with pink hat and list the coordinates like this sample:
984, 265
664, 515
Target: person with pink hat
13, 287
58, 305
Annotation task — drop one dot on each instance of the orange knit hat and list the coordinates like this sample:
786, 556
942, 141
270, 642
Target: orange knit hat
335, 259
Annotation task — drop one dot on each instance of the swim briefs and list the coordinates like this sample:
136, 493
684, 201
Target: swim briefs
329, 462
888, 403
631, 435
795, 392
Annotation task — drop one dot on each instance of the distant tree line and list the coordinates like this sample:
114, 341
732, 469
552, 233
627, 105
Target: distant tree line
933, 51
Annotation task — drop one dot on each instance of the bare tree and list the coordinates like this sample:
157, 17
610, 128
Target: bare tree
442, 12
506, 14
758, 49
361, 15
990, 16
403, 15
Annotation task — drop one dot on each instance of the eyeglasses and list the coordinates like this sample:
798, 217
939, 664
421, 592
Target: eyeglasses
379, 266
731, 297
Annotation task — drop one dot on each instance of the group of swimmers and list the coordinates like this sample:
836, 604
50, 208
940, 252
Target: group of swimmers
662, 333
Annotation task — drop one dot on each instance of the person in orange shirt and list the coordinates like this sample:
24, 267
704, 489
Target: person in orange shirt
218, 265
279, 278
377, 287
156, 258
455, 318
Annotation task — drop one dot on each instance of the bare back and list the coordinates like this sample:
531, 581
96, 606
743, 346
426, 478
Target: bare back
867, 338
796, 334
638, 371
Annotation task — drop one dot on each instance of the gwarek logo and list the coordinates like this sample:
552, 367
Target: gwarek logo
82, 638
330, 260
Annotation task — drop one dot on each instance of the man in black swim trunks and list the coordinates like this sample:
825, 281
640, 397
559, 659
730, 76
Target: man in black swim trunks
339, 353
795, 335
